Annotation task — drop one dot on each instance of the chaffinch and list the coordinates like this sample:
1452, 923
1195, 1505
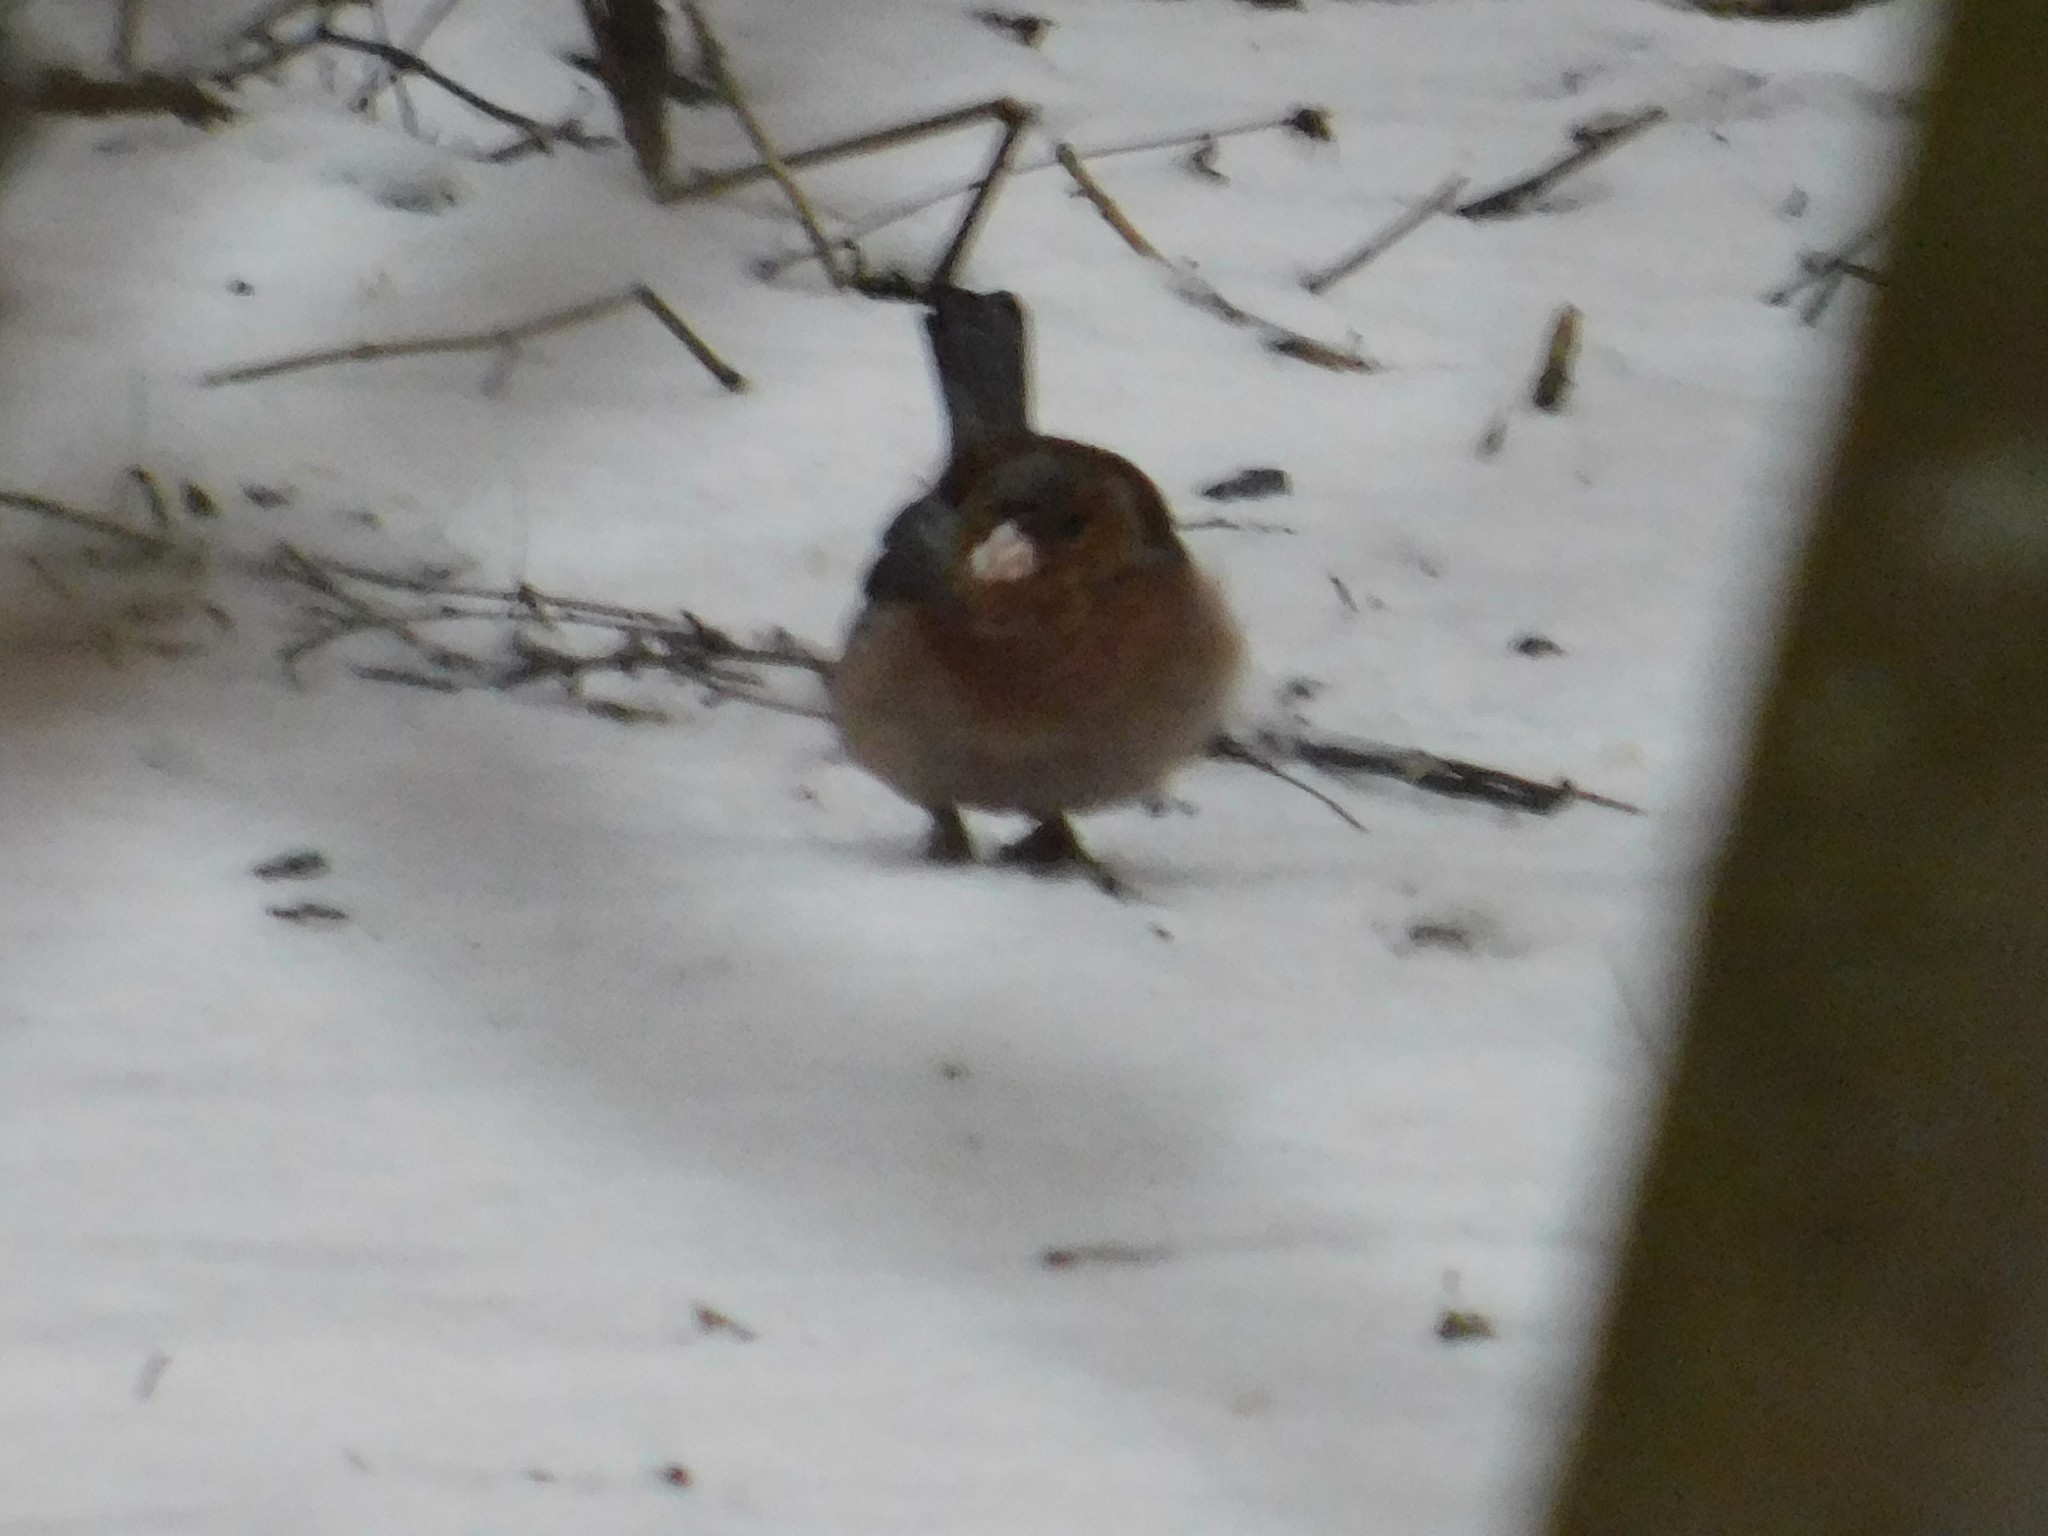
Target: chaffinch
1035, 637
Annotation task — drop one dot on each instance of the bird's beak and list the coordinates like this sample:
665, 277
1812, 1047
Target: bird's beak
1005, 555
918, 553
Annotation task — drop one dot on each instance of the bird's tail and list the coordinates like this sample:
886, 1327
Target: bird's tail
978, 348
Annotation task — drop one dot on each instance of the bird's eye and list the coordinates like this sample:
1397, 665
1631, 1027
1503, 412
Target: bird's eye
1070, 525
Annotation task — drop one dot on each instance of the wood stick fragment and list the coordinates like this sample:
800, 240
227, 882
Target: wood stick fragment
495, 339
712, 54
1590, 142
1104, 204
1324, 279
1553, 385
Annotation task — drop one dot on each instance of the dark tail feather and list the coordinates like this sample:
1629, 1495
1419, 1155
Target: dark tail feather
978, 346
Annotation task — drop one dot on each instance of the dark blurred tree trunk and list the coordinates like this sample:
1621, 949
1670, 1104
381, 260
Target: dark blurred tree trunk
1833, 1316
631, 40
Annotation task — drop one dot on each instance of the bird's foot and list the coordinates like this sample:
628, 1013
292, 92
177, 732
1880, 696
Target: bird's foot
948, 842
1051, 848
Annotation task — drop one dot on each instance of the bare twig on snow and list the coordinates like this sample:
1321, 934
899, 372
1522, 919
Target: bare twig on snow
503, 340
1202, 293
1323, 279
1823, 271
1449, 776
1590, 141
712, 52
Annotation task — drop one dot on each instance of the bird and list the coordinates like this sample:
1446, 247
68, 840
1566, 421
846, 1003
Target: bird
1034, 637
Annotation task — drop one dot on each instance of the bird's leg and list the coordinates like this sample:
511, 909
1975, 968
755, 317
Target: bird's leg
1052, 846
948, 842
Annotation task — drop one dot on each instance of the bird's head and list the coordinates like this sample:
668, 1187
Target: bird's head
1023, 520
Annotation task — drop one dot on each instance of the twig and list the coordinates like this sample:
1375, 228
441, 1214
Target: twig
409, 63
408, 119
569, 131
1426, 771
1104, 204
1230, 750
91, 522
1324, 279
889, 138
383, 73
711, 183
495, 340
679, 644
1590, 141
1198, 290
1823, 271
1014, 124
712, 54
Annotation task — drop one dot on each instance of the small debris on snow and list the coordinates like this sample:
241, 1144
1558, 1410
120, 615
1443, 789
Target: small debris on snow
1457, 1326
299, 864
309, 914
151, 1374
1250, 485
1016, 25
711, 1320
1083, 1254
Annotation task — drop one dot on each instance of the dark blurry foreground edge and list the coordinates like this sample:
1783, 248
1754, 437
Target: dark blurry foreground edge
1833, 1312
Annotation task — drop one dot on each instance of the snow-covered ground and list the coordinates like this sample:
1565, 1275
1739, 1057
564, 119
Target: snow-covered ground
405, 1223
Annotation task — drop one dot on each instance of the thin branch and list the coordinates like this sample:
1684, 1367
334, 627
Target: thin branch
1229, 749
1590, 142
408, 118
1324, 279
998, 166
413, 64
1448, 776
712, 54
1823, 271
1104, 204
383, 72
1202, 293
712, 183
497, 339
681, 645
1003, 109
91, 522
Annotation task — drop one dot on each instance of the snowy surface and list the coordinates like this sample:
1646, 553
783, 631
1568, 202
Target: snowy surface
404, 1224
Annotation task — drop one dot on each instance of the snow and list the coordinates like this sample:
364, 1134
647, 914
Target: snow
404, 1222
